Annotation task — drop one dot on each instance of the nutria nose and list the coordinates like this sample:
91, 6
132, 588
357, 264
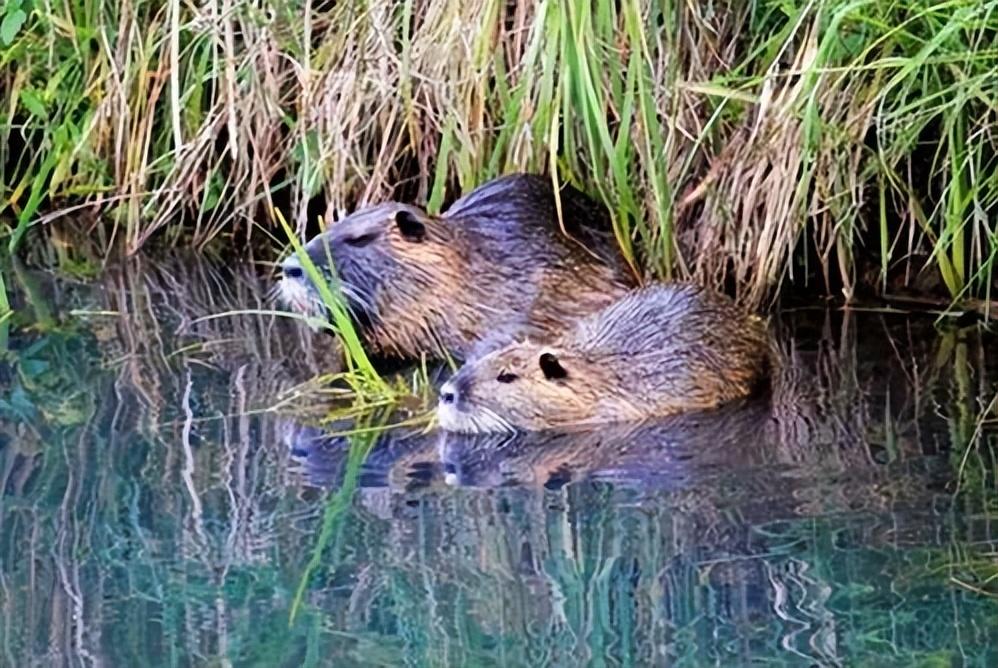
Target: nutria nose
447, 397
292, 271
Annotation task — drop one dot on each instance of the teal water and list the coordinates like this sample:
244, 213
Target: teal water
167, 500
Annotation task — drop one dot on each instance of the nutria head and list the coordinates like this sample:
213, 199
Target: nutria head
528, 386
395, 264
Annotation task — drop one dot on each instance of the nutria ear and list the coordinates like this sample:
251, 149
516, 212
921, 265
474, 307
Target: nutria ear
552, 368
410, 226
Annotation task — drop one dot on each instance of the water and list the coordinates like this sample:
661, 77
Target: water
167, 500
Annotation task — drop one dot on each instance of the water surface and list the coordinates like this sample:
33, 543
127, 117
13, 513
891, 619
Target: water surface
169, 499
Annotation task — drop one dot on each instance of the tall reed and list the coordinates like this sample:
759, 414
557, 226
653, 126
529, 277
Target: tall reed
849, 142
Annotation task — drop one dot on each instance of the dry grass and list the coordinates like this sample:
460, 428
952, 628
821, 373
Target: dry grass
736, 143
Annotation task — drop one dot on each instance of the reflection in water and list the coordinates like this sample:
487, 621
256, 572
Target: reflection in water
161, 504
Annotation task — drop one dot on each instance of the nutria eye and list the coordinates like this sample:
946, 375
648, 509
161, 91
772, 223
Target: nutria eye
506, 377
411, 227
552, 368
362, 240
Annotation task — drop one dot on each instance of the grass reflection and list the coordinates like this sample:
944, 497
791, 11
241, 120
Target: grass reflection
151, 512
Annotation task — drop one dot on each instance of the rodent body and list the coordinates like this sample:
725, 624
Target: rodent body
660, 350
493, 268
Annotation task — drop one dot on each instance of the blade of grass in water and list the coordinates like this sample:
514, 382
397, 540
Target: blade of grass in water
353, 350
5, 314
361, 443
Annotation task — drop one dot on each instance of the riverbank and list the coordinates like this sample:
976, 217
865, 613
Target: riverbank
837, 147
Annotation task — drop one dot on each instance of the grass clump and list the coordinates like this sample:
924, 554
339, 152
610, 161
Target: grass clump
849, 144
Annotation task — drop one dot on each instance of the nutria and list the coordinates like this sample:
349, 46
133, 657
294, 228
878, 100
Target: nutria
660, 350
495, 267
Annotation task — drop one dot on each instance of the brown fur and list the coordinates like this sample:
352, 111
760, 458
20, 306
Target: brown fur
493, 268
660, 350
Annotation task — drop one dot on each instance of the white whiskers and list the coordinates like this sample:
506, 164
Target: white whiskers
300, 298
481, 420
356, 299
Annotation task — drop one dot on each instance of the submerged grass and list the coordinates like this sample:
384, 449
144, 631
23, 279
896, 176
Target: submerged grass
337, 508
5, 314
846, 142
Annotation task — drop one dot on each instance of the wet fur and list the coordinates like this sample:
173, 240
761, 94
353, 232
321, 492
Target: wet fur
661, 350
494, 268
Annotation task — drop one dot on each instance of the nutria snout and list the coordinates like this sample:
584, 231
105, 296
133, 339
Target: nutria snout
494, 267
661, 350
359, 247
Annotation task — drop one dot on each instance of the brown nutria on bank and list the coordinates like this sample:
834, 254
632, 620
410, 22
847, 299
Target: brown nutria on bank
661, 350
496, 266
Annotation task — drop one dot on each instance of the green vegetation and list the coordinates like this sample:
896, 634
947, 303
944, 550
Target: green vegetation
5, 313
738, 142
338, 505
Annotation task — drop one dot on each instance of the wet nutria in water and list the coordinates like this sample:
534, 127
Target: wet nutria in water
660, 350
495, 267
